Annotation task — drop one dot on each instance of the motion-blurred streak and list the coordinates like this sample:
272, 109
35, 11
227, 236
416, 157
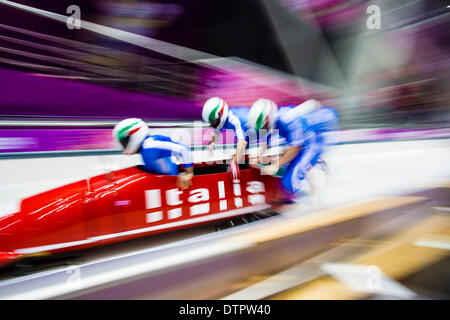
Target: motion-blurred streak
122, 57
65, 62
99, 70
76, 55
159, 46
181, 61
95, 61
30, 65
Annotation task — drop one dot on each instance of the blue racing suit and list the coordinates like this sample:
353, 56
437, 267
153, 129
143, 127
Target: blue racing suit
307, 132
296, 132
236, 120
157, 152
321, 121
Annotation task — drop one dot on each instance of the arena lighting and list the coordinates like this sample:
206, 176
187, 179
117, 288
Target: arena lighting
135, 39
166, 48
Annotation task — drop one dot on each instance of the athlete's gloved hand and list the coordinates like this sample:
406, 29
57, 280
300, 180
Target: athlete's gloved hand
184, 180
269, 170
253, 163
235, 173
211, 147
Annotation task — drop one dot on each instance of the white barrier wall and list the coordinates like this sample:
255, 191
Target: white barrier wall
383, 165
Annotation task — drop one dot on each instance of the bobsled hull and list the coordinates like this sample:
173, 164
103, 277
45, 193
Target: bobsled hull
127, 204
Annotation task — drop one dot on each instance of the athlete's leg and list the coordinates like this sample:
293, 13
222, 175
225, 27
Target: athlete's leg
294, 178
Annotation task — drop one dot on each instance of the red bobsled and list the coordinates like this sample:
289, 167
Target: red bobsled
127, 204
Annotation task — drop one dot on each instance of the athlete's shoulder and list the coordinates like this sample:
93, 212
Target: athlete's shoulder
331, 109
285, 117
159, 137
153, 140
286, 114
234, 119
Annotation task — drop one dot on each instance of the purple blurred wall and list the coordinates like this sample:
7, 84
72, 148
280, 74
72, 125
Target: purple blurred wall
31, 95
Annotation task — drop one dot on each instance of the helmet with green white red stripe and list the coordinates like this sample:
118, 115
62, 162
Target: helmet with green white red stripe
215, 112
131, 133
262, 115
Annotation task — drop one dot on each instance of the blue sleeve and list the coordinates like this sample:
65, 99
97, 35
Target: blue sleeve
293, 132
153, 149
235, 123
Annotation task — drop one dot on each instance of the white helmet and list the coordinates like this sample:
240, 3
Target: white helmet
309, 106
262, 115
131, 133
215, 112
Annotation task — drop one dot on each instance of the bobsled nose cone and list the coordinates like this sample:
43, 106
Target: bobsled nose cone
8, 257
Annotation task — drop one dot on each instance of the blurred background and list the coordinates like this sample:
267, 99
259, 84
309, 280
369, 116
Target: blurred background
288, 51
62, 89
